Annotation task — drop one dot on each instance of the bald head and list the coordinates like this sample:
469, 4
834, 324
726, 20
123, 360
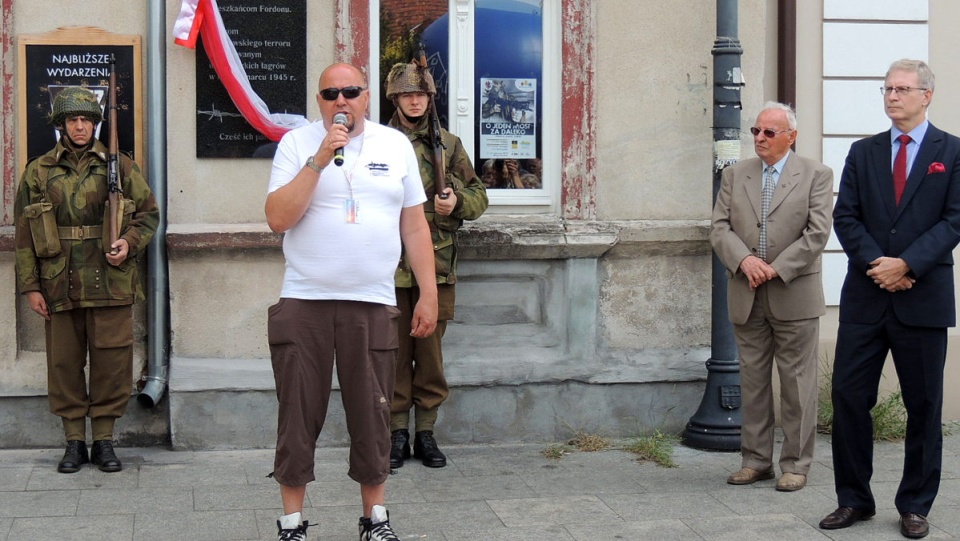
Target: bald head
339, 71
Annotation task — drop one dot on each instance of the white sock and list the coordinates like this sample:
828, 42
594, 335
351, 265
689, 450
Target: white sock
378, 514
290, 522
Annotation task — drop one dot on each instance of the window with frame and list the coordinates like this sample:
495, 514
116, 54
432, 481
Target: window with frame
496, 64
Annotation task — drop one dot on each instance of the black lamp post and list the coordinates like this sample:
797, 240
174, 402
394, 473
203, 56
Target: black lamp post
716, 424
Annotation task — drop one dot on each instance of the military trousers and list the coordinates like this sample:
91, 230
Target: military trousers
420, 379
104, 334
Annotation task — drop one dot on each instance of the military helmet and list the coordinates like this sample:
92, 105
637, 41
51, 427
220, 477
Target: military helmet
75, 101
406, 78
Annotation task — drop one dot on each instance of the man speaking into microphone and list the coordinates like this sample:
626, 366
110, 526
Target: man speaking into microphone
343, 231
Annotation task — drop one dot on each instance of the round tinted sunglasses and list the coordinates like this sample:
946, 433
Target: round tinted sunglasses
768, 133
349, 92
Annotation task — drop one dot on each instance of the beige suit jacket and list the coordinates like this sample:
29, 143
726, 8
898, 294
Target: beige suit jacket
798, 227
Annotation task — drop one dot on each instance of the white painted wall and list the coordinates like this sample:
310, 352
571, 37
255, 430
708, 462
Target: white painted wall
859, 41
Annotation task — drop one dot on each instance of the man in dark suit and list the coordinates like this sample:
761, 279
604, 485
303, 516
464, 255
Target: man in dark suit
770, 224
898, 219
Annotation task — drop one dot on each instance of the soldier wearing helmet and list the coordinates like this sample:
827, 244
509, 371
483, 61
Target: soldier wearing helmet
67, 275
75, 101
420, 382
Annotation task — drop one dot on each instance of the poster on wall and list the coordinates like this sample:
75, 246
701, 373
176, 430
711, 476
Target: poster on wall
77, 56
508, 118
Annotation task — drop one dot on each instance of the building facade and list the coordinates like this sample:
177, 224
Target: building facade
584, 303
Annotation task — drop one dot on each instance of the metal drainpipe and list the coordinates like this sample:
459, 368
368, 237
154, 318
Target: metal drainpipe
158, 308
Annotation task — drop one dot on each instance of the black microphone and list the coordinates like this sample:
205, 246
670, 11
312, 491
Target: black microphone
341, 119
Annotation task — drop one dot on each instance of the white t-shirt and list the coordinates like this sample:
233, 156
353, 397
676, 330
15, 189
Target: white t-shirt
326, 256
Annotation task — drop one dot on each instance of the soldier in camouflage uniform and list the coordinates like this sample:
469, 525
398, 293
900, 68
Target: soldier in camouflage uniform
68, 275
420, 380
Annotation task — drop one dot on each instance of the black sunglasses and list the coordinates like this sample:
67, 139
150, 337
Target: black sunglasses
349, 92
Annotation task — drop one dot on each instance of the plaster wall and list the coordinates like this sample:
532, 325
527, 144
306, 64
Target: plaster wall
9, 364
219, 303
655, 75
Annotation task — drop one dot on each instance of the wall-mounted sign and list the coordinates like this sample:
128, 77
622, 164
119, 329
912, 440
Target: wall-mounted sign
77, 56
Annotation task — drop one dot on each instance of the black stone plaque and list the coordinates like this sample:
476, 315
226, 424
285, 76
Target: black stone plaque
271, 39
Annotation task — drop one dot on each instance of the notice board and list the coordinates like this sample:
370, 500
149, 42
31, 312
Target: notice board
78, 56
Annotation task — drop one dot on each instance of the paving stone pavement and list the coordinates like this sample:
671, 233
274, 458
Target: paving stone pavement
506, 492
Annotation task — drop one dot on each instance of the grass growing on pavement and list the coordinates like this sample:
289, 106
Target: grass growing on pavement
889, 415
657, 448
890, 418
589, 442
556, 451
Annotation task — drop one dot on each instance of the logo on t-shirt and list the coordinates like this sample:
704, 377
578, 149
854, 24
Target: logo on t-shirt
378, 169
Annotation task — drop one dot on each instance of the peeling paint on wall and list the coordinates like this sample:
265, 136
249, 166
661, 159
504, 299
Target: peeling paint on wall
7, 67
353, 33
578, 197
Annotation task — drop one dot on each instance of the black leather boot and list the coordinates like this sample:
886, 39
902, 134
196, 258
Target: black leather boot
74, 457
425, 448
103, 456
399, 447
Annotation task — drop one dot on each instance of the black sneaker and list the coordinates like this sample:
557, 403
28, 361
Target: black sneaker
103, 456
399, 447
377, 527
74, 457
425, 448
295, 534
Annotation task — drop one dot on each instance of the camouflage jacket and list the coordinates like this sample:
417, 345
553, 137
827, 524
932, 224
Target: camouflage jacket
471, 199
59, 221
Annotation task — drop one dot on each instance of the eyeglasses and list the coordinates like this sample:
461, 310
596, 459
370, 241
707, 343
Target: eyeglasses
349, 92
900, 90
768, 133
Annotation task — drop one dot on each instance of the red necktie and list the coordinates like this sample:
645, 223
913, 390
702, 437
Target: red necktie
900, 168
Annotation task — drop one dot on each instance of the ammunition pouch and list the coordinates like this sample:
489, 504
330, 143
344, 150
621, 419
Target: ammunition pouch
444, 254
43, 228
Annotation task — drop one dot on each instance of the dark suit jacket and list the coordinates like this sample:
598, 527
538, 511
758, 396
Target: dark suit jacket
923, 230
798, 226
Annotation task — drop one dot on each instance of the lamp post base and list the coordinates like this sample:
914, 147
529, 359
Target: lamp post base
716, 424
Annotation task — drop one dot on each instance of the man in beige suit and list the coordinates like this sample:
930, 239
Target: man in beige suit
771, 250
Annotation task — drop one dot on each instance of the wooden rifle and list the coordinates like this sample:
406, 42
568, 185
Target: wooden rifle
115, 198
435, 135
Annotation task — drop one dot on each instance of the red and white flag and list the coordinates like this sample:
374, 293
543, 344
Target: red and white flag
203, 17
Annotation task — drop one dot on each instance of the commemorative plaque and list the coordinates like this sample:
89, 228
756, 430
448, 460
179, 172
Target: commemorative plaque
270, 37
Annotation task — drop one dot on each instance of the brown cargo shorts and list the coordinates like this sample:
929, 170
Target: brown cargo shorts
306, 337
